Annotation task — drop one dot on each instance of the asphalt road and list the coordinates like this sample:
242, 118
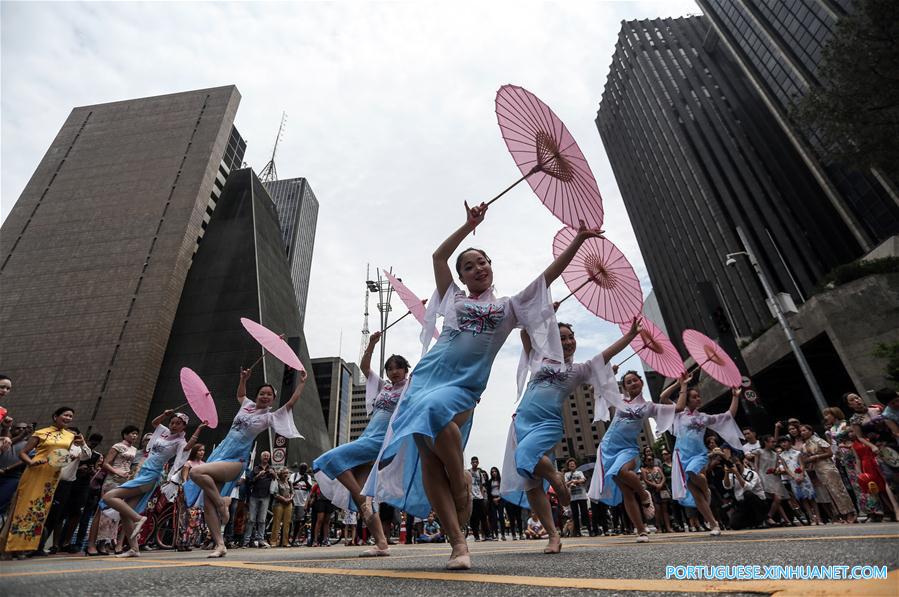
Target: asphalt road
612, 565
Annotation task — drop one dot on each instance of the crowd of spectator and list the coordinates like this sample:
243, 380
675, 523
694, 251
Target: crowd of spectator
799, 474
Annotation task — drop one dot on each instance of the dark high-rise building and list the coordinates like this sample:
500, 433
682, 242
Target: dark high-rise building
335, 380
778, 44
95, 252
240, 270
298, 214
697, 153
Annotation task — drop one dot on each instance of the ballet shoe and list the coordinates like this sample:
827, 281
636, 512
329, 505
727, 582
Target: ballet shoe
463, 510
554, 546
224, 515
563, 493
218, 552
374, 552
649, 510
462, 562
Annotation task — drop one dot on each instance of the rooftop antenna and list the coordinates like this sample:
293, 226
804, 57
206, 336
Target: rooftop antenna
270, 172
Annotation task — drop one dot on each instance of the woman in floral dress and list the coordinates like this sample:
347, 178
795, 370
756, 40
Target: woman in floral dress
31, 503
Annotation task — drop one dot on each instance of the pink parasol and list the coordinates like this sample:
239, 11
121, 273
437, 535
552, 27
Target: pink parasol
273, 343
712, 358
415, 305
548, 157
199, 397
655, 349
601, 277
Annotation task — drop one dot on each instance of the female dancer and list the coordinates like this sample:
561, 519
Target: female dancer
131, 497
216, 478
615, 478
537, 425
350, 463
44, 453
436, 412
690, 455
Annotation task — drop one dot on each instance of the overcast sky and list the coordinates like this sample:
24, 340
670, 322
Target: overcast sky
390, 116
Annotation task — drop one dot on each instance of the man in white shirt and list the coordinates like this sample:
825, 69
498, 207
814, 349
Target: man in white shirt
478, 520
750, 509
576, 482
752, 443
301, 482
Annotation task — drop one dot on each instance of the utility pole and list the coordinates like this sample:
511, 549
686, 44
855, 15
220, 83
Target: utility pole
781, 319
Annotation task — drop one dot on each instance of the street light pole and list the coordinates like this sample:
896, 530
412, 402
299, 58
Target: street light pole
782, 320
385, 291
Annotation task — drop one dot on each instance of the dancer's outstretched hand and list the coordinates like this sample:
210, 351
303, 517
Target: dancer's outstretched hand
583, 233
636, 326
475, 215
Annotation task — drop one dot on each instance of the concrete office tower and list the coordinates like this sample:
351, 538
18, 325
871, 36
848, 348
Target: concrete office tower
581, 435
358, 417
696, 153
298, 213
240, 270
335, 380
778, 45
94, 254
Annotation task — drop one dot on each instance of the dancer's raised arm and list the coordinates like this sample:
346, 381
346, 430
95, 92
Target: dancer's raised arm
297, 390
365, 363
622, 342
734, 401
442, 273
242, 384
556, 268
682, 395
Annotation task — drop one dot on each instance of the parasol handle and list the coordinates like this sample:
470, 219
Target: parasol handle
633, 355
570, 294
534, 170
256, 362
181, 406
398, 320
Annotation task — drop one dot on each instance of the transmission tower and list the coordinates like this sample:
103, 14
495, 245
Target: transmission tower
270, 172
366, 333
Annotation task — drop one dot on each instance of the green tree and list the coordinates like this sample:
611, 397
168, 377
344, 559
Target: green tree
890, 352
856, 110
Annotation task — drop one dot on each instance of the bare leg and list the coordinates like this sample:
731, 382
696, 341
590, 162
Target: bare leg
547, 470
438, 489
350, 479
92, 533
209, 477
448, 448
115, 499
540, 504
630, 487
700, 489
666, 519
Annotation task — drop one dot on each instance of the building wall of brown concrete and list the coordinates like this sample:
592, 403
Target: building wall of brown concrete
856, 317
94, 254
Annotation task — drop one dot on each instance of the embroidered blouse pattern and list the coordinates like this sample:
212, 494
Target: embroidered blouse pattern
477, 318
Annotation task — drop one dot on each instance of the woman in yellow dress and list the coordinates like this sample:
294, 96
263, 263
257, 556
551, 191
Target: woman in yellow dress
31, 504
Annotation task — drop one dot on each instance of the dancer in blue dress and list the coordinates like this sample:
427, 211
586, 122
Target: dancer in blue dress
537, 426
218, 475
690, 453
342, 472
131, 497
421, 463
615, 478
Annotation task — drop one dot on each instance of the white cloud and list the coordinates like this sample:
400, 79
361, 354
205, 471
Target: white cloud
391, 119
